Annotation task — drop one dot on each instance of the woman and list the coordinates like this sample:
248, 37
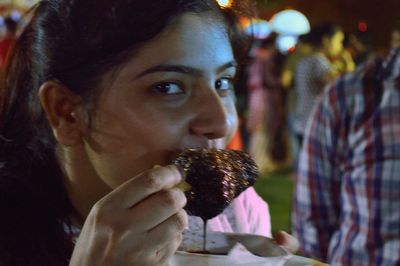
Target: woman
98, 97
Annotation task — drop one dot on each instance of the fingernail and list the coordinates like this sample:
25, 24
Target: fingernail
184, 186
182, 172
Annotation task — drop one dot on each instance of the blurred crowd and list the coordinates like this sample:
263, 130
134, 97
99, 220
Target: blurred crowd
328, 111
278, 89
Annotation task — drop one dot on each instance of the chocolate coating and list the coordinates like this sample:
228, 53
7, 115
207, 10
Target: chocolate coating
216, 177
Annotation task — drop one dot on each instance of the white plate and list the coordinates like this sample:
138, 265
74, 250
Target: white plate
253, 250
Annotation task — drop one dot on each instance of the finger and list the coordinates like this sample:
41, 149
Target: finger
289, 242
168, 231
157, 208
159, 253
168, 251
143, 185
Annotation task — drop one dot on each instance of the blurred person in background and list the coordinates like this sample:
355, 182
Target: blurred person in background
266, 122
340, 57
8, 37
395, 35
358, 44
315, 70
346, 207
302, 49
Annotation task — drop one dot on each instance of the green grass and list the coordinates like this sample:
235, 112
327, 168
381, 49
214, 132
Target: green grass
276, 190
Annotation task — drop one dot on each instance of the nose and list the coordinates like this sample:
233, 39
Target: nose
211, 116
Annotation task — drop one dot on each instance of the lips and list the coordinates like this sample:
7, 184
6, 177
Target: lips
214, 177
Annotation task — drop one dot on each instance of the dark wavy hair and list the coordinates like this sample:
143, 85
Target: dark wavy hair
74, 42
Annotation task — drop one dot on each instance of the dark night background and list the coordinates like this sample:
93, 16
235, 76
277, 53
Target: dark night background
378, 14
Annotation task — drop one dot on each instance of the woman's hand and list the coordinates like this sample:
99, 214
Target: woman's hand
139, 223
289, 242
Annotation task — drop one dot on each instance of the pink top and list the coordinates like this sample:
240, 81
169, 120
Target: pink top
248, 213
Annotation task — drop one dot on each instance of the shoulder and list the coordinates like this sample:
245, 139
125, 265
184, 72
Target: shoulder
314, 64
307, 60
249, 199
317, 59
350, 92
252, 213
250, 203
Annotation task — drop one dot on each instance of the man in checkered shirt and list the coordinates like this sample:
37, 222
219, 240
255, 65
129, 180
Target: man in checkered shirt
347, 195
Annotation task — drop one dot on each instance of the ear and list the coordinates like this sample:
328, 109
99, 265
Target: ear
64, 112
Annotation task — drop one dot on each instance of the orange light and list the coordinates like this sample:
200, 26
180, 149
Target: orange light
225, 3
362, 26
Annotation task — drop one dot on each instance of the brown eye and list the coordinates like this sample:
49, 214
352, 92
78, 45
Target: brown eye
168, 88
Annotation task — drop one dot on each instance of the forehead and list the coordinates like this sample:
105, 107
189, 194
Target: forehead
193, 40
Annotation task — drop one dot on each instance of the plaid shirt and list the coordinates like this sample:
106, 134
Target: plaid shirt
347, 195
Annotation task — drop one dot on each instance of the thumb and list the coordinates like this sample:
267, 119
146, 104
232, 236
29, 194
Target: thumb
287, 241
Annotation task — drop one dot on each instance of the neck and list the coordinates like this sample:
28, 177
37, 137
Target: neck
83, 185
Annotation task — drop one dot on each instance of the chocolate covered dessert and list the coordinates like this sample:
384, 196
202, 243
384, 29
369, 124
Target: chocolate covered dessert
215, 178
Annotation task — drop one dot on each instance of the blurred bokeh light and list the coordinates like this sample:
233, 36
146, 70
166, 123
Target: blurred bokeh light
225, 3
290, 22
258, 28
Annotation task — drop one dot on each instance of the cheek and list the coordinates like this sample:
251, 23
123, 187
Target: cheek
124, 144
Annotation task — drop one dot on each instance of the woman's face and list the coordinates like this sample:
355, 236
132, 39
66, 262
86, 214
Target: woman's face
175, 92
335, 46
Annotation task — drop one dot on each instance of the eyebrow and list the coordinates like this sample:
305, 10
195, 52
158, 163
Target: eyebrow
182, 69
